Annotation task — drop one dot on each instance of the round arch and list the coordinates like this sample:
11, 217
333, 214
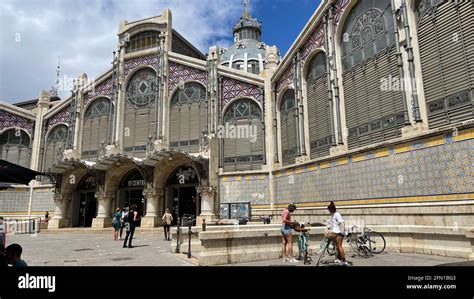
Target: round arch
132, 73
177, 88
309, 59
16, 128
231, 102
281, 94
15, 146
46, 136
95, 99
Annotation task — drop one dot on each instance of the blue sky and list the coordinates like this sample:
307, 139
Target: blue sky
34, 33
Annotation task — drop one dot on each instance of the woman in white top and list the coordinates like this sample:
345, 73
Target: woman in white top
336, 233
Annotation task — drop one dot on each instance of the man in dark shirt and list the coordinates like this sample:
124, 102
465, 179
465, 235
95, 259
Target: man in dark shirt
130, 226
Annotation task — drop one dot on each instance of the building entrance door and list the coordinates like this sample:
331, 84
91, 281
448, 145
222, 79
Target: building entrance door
132, 189
87, 208
84, 208
182, 194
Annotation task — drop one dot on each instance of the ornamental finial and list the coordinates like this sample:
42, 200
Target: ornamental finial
246, 9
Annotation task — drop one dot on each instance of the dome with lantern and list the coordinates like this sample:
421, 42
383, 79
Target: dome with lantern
248, 51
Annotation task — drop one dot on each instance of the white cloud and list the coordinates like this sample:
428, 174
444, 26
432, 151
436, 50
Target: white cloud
83, 33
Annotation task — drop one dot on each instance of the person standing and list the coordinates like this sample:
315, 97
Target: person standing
117, 223
336, 233
286, 232
166, 220
130, 225
2, 232
46, 217
122, 220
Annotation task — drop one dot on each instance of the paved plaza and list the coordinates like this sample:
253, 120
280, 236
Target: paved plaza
152, 250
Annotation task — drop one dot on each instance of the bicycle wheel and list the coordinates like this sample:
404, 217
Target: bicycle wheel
321, 254
358, 247
305, 259
377, 242
331, 250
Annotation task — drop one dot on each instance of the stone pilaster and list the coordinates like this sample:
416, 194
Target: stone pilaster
153, 201
60, 218
103, 219
43, 107
208, 195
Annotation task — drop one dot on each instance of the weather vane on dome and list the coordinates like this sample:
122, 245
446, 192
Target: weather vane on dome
246, 7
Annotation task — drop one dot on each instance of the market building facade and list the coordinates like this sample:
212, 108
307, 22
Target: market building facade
169, 127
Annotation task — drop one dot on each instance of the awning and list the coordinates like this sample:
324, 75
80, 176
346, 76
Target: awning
12, 173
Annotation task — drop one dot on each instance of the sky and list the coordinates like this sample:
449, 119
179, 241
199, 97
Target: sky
82, 34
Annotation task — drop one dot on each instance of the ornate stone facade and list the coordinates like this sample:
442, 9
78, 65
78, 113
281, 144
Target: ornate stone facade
422, 169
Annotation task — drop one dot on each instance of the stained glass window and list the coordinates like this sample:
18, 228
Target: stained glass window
142, 88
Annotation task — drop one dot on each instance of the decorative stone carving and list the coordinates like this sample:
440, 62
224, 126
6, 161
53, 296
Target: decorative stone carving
10, 120
286, 79
232, 89
273, 57
179, 73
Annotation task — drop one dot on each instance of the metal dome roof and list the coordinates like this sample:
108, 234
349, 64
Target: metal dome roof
250, 47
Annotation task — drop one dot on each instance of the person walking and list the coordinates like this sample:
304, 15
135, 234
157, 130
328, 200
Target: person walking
336, 233
117, 223
286, 232
122, 220
166, 220
130, 225
46, 217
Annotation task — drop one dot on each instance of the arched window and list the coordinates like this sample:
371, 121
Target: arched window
321, 136
374, 111
142, 41
288, 125
188, 117
97, 128
15, 147
243, 136
54, 145
446, 45
253, 67
238, 65
140, 112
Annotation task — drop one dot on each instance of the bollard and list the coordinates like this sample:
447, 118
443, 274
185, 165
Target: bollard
189, 240
204, 225
177, 237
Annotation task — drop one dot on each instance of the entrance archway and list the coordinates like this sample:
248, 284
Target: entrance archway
131, 191
84, 205
181, 193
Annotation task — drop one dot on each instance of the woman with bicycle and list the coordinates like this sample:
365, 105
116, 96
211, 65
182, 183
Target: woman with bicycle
286, 232
336, 233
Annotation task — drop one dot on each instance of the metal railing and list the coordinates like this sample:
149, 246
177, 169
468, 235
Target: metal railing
186, 220
21, 226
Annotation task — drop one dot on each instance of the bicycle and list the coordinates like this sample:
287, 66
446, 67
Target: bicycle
366, 245
323, 249
303, 243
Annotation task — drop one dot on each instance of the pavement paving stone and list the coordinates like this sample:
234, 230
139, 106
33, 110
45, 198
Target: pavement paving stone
152, 250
